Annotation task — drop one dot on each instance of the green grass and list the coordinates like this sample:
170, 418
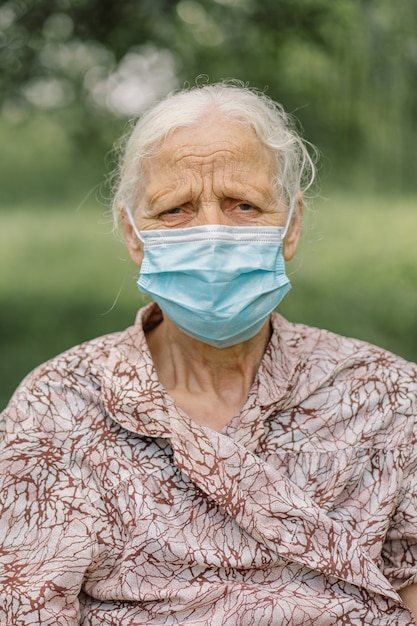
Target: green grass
73, 252
356, 272
66, 278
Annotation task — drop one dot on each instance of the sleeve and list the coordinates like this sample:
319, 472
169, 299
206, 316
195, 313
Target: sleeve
399, 553
46, 542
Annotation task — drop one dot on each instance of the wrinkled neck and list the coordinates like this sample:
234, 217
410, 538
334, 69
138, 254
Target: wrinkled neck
182, 361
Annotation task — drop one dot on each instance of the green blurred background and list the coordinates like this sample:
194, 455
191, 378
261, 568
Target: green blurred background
73, 72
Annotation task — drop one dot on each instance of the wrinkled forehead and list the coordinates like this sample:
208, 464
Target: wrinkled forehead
210, 143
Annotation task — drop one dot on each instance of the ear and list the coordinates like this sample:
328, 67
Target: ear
294, 230
133, 244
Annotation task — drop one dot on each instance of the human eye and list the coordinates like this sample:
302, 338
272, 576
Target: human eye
245, 207
172, 215
246, 210
176, 215
241, 211
174, 211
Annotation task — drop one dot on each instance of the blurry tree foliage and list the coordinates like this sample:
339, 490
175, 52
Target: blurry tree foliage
348, 68
72, 72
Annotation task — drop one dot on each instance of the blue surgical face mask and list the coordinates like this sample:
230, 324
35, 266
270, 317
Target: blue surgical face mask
218, 284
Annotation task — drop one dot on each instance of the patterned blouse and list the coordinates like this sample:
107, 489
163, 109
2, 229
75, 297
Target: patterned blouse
117, 509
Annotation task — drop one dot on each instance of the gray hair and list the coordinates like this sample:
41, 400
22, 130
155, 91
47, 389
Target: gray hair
295, 170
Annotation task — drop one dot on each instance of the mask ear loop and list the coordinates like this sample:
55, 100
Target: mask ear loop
289, 219
132, 223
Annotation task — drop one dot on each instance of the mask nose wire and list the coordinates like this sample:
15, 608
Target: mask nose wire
132, 223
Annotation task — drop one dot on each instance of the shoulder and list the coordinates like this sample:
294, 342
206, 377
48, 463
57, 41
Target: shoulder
349, 372
62, 390
347, 391
337, 353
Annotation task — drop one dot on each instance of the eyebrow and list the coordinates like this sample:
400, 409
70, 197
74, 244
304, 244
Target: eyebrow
179, 190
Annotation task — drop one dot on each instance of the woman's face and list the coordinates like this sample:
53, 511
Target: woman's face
216, 172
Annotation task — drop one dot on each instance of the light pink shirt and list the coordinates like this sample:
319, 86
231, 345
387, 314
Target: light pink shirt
117, 509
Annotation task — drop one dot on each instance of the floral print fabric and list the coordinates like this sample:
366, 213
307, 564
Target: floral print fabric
117, 509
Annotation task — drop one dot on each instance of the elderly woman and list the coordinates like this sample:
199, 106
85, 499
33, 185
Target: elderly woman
214, 463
